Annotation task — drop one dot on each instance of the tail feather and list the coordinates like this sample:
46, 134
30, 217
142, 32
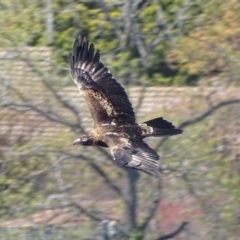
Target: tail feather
165, 132
158, 127
160, 123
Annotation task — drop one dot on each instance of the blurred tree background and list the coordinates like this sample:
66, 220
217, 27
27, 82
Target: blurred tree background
185, 53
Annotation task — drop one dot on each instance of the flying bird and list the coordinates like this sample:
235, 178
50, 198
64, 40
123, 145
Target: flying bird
112, 113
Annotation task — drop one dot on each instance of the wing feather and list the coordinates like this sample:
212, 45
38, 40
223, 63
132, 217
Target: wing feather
133, 153
106, 98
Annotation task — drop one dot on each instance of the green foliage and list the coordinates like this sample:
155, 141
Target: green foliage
136, 235
170, 62
21, 181
210, 49
197, 52
21, 23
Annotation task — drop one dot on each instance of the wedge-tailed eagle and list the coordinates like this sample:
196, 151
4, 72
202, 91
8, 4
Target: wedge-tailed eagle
113, 116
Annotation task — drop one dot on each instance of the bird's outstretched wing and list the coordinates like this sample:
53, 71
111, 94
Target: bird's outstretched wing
134, 154
105, 97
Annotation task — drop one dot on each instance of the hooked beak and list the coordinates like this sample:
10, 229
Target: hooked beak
76, 142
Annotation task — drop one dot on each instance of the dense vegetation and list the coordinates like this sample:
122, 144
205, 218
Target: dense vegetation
150, 42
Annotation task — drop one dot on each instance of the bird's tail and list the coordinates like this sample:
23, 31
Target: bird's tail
158, 127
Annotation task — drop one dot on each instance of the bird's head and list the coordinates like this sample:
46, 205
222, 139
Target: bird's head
84, 140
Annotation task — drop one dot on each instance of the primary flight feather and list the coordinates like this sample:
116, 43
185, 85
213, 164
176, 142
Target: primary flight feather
113, 116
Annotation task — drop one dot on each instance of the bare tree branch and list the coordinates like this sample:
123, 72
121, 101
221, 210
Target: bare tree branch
175, 233
208, 112
83, 210
47, 114
154, 206
177, 23
114, 23
202, 116
100, 172
65, 104
162, 24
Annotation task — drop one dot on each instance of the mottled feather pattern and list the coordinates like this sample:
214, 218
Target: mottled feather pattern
86, 59
95, 99
114, 119
132, 153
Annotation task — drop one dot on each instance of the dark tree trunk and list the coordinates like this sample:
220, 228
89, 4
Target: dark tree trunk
130, 197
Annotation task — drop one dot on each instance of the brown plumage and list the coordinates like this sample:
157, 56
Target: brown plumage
113, 116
